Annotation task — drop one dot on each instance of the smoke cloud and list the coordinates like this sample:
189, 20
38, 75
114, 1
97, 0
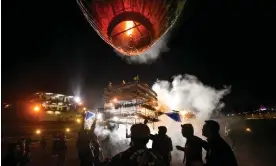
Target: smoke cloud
112, 142
184, 92
187, 92
151, 54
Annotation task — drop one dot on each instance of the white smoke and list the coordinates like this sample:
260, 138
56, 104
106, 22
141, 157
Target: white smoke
112, 142
185, 92
151, 54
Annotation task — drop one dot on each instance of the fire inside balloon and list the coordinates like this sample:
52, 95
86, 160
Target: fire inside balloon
131, 26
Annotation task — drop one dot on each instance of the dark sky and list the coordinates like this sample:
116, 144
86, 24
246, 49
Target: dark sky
49, 46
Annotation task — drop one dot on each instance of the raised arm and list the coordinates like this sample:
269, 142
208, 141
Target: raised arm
93, 126
204, 144
152, 136
180, 148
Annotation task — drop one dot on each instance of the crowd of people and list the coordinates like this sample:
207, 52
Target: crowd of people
218, 152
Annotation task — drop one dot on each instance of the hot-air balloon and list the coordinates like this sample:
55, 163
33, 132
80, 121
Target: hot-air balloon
131, 26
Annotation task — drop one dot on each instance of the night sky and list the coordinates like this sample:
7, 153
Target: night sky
49, 46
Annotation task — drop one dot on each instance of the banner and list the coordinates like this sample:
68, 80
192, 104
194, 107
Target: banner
89, 115
174, 116
88, 120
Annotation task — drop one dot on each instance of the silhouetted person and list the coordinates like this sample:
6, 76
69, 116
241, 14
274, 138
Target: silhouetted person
219, 152
162, 144
138, 154
24, 153
193, 147
95, 147
43, 142
61, 149
28, 143
89, 147
94, 144
85, 153
55, 143
128, 135
13, 156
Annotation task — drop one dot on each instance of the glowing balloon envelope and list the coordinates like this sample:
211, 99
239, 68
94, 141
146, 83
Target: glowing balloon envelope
131, 26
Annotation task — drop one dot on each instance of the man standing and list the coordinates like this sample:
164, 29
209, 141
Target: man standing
162, 144
138, 154
219, 152
61, 149
193, 146
128, 136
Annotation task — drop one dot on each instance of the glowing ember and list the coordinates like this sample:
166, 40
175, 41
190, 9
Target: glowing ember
129, 27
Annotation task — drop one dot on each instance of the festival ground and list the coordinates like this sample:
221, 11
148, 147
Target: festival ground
252, 149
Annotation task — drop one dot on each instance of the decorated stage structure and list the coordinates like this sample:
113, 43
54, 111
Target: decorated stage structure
130, 103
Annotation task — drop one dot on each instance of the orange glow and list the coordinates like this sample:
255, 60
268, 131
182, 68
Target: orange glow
129, 25
162, 107
129, 40
36, 108
107, 15
38, 131
78, 121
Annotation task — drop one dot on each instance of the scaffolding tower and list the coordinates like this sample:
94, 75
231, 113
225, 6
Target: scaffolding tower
130, 103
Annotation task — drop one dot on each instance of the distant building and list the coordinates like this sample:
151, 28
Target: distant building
56, 102
44, 106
